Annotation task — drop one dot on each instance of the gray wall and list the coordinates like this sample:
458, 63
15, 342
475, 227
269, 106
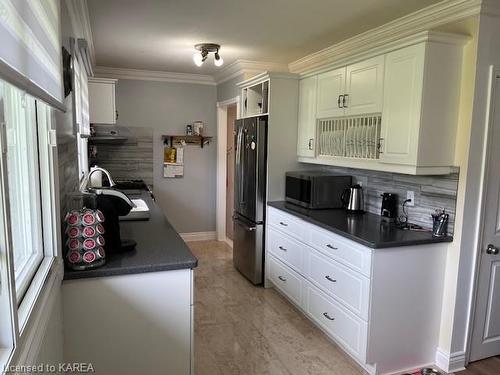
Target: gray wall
228, 90
165, 107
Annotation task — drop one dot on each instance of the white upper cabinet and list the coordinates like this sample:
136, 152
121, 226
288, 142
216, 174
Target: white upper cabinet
421, 100
352, 90
395, 112
102, 105
331, 87
364, 87
307, 117
403, 99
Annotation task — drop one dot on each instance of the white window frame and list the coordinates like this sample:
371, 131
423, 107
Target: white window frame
22, 108
15, 315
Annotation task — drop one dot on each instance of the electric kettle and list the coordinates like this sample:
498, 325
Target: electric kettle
353, 199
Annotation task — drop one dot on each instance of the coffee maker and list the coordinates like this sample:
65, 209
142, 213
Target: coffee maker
389, 209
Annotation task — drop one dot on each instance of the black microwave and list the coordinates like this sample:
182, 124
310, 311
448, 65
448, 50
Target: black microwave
316, 189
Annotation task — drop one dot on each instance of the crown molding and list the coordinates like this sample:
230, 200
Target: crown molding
425, 19
248, 67
80, 22
153, 75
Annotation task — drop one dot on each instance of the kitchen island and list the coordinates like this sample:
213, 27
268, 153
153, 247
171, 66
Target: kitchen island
134, 314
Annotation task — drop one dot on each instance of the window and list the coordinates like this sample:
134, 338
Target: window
29, 211
23, 178
27, 185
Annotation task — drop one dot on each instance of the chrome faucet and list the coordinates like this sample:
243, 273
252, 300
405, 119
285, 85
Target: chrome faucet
85, 183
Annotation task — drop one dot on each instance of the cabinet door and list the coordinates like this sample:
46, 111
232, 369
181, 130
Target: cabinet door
102, 102
331, 86
403, 84
364, 87
307, 117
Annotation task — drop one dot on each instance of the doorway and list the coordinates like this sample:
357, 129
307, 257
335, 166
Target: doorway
231, 117
485, 341
227, 112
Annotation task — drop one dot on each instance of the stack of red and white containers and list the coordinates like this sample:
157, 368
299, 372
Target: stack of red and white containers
85, 244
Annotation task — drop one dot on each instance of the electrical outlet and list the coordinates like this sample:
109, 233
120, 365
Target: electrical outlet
410, 195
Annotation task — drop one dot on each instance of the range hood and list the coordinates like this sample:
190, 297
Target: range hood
109, 134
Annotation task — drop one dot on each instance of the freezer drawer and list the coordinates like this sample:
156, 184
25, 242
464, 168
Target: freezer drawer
248, 244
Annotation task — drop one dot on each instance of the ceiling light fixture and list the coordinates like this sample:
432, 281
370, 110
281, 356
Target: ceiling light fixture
204, 49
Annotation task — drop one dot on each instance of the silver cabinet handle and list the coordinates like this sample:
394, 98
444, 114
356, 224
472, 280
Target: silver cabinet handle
330, 279
380, 146
282, 278
339, 101
284, 224
492, 250
332, 247
311, 143
325, 314
282, 248
344, 100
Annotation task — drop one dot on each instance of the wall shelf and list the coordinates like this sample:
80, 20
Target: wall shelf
188, 139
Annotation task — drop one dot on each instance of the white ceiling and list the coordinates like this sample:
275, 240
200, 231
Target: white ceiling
160, 34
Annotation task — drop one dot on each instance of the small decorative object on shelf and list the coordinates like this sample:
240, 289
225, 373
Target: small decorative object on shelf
189, 129
199, 140
198, 127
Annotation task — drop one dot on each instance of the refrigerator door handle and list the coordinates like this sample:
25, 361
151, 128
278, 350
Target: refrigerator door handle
244, 225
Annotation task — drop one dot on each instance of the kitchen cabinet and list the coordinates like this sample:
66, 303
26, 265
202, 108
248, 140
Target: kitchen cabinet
306, 136
149, 316
422, 89
276, 95
352, 90
102, 104
364, 87
331, 87
393, 112
367, 300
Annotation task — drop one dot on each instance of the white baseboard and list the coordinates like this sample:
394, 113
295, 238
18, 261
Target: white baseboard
229, 242
450, 363
199, 236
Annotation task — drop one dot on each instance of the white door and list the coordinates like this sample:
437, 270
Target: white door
364, 87
403, 85
331, 88
307, 117
486, 330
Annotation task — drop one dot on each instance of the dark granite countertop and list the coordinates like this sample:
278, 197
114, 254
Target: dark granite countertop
159, 248
367, 229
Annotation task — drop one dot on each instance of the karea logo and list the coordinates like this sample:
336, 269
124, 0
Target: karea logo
61, 368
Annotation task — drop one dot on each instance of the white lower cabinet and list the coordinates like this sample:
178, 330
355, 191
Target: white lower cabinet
345, 327
286, 280
351, 288
382, 306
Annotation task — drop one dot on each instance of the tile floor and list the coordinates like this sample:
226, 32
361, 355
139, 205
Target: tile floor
245, 330
241, 329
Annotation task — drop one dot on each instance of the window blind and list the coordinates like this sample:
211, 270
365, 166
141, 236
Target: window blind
30, 47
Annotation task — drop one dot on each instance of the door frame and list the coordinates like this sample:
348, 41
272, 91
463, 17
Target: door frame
494, 75
222, 165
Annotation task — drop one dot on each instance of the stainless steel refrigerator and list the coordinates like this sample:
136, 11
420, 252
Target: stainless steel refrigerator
250, 197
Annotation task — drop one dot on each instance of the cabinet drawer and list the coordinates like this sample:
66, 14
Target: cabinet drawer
342, 325
286, 223
350, 287
356, 257
285, 248
285, 280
